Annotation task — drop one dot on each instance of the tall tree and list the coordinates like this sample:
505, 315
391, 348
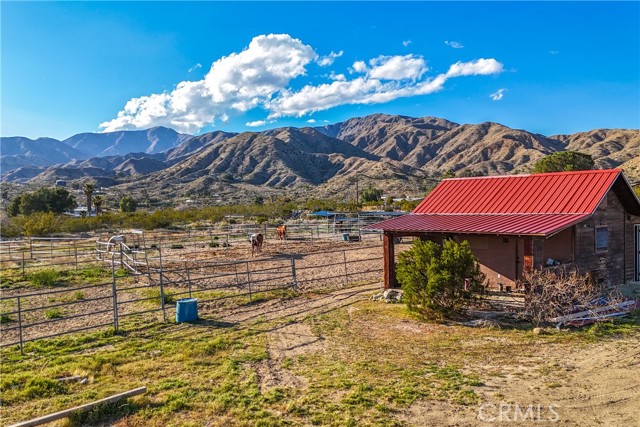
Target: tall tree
128, 204
564, 161
88, 190
97, 202
56, 200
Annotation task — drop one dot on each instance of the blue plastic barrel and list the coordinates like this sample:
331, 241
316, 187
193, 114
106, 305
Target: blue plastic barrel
345, 237
187, 310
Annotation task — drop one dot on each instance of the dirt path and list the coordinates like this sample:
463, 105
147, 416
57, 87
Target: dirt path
294, 309
596, 385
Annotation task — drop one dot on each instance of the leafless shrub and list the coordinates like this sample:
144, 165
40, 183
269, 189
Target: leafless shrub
550, 293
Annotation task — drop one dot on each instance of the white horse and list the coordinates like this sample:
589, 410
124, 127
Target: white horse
256, 243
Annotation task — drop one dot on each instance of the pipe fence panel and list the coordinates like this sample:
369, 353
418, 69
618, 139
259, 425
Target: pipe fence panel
145, 283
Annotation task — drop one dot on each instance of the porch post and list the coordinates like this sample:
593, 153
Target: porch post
389, 262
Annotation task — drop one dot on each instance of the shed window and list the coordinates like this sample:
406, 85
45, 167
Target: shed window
602, 239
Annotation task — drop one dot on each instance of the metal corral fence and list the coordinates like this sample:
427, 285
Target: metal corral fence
71, 252
43, 252
150, 295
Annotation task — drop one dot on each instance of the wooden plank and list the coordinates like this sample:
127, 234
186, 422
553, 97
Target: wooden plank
87, 406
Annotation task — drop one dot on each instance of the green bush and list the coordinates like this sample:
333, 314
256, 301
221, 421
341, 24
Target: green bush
438, 279
44, 278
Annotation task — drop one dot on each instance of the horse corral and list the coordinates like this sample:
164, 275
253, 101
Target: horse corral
134, 276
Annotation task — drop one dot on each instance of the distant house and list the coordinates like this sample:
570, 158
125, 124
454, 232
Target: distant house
587, 219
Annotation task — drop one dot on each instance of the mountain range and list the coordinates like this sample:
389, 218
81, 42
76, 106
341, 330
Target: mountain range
397, 153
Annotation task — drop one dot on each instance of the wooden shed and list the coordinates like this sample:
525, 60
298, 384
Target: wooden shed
587, 219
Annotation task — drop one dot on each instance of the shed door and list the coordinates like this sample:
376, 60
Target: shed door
637, 252
528, 254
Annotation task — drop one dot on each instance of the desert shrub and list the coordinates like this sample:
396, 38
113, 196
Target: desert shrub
44, 278
42, 224
438, 280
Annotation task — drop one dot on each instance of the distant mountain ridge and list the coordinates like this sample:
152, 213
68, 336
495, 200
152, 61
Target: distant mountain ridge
397, 153
19, 151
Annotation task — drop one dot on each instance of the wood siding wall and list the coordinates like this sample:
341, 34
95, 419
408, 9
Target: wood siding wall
610, 265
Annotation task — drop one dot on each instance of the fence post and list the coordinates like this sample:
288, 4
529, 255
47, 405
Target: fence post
51, 248
30, 248
164, 313
294, 280
311, 233
9, 250
20, 326
186, 266
114, 293
23, 262
75, 253
346, 273
248, 280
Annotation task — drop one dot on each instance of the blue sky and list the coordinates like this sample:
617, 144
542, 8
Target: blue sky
546, 67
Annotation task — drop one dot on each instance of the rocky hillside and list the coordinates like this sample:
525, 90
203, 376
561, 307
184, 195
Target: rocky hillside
154, 140
397, 153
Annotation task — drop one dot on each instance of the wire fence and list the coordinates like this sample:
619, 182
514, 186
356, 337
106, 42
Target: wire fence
149, 295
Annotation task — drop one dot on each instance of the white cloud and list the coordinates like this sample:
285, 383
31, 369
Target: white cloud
406, 43
240, 82
256, 123
397, 67
480, 66
325, 61
312, 121
195, 67
369, 90
260, 77
498, 95
359, 67
554, 52
453, 44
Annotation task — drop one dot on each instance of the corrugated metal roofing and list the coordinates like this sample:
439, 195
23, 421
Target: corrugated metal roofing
557, 193
539, 204
507, 224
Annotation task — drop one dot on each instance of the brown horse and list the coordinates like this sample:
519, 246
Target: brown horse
281, 232
256, 243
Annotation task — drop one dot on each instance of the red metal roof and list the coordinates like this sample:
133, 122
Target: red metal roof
561, 192
538, 204
503, 224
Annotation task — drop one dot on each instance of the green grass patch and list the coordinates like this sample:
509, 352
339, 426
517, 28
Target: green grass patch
154, 297
54, 313
5, 318
45, 278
